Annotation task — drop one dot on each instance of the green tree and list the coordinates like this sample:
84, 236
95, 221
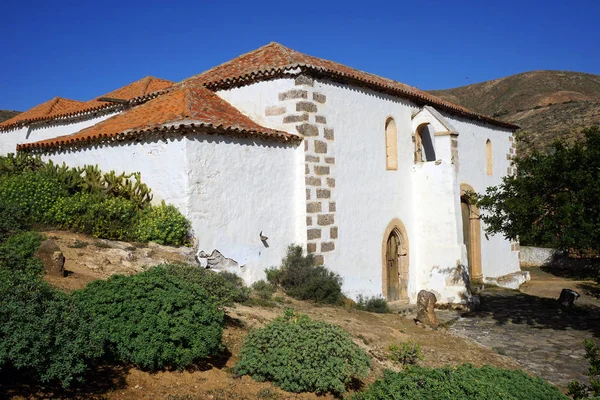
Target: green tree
554, 200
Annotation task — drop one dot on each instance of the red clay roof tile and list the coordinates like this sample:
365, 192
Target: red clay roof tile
273, 59
55, 106
137, 91
187, 104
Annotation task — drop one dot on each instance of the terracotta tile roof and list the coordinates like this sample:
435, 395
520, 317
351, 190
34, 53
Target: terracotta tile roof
55, 106
136, 92
185, 106
274, 59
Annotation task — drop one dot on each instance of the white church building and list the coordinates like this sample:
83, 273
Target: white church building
277, 147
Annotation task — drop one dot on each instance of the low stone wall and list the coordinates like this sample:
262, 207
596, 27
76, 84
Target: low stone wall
536, 256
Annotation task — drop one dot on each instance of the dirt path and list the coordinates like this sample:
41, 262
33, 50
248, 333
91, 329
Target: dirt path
527, 326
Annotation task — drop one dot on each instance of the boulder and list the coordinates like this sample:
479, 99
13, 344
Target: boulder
567, 299
52, 258
425, 309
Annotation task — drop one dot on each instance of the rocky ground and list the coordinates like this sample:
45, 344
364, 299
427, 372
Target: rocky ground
513, 330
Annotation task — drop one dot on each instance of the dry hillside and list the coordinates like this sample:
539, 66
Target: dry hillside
7, 114
545, 104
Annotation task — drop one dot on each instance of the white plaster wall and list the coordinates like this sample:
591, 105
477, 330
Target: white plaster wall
60, 128
162, 165
240, 187
253, 100
28, 134
497, 259
368, 196
438, 232
536, 256
10, 139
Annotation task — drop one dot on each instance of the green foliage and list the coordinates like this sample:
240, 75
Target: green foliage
407, 353
373, 304
33, 193
459, 383
12, 219
16, 253
106, 205
553, 201
302, 279
224, 288
579, 390
302, 355
264, 289
162, 224
42, 331
108, 218
154, 319
12, 164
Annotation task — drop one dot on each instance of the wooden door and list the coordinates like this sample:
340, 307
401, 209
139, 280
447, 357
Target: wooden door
466, 221
393, 281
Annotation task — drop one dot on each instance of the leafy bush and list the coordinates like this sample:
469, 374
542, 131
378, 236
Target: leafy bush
16, 253
299, 354
108, 218
302, 279
32, 192
42, 331
154, 319
162, 224
264, 289
12, 218
224, 288
458, 383
12, 164
579, 390
374, 304
405, 353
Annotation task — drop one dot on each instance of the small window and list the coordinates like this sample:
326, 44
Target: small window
424, 147
391, 144
489, 158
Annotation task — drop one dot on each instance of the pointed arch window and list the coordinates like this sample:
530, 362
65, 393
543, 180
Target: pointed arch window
391, 144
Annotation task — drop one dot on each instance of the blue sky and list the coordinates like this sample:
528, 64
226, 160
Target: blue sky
82, 49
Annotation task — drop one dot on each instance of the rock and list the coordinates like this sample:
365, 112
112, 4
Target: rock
567, 299
474, 303
52, 258
425, 309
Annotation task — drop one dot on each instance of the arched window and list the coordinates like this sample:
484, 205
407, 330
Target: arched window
424, 146
391, 144
489, 158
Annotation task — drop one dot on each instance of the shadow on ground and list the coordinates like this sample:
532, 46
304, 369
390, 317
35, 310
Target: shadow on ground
573, 268
98, 382
511, 306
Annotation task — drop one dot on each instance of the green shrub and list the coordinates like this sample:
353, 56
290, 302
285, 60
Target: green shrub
12, 164
154, 319
16, 253
302, 279
407, 353
582, 391
43, 333
32, 192
162, 224
264, 289
108, 218
302, 355
12, 218
373, 304
460, 383
224, 288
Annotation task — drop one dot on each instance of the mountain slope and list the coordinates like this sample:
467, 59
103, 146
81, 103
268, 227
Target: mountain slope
7, 114
545, 104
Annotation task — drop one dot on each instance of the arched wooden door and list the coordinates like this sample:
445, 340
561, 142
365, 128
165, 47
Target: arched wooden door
466, 223
393, 272
396, 266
